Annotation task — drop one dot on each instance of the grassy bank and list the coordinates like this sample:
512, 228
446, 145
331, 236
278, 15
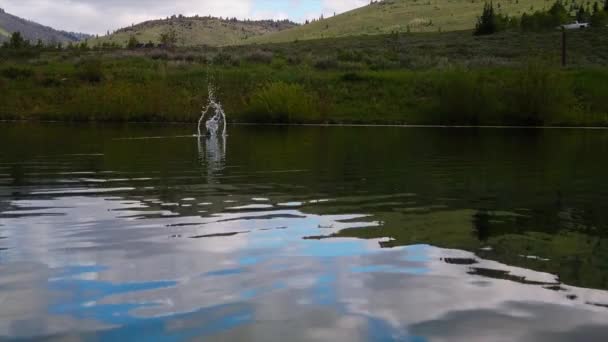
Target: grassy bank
364, 80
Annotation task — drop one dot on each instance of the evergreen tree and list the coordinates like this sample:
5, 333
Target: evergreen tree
559, 14
580, 14
492, 22
486, 24
17, 41
583, 15
132, 43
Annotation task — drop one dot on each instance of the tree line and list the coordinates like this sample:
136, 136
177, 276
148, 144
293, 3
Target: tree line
18, 42
491, 21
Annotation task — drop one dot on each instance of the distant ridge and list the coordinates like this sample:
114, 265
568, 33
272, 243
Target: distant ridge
196, 31
33, 31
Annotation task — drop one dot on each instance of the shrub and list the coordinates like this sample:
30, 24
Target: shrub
90, 71
350, 56
260, 56
49, 81
283, 103
159, 55
326, 63
190, 57
168, 39
278, 63
14, 73
225, 59
294, 60
382, 63
352, 77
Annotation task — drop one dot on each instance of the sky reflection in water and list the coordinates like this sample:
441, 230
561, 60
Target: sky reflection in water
179, 239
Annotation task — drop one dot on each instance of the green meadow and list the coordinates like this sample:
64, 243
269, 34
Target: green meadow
510, 78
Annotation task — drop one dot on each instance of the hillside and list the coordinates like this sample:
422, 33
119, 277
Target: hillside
402, 16
196, 31
34, 31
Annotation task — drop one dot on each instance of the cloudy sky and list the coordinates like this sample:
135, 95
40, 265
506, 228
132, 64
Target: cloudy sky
97, 16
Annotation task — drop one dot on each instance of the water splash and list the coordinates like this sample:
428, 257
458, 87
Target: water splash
212, 154
212, 135
215, 124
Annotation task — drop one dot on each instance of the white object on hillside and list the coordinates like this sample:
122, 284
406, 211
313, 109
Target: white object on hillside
575, 26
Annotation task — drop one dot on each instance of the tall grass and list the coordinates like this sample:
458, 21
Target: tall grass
281, 102
466, 98
535, 94
540, 94
144, 89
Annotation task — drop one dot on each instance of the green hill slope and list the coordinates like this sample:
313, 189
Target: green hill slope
402, 16
195, 31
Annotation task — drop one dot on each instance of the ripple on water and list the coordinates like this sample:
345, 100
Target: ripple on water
409, 236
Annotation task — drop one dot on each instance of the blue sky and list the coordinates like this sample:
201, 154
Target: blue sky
294, 9
98, 16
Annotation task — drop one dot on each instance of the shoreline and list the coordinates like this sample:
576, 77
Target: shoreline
177, 123
372, 81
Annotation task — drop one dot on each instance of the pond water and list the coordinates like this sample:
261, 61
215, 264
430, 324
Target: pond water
303, 233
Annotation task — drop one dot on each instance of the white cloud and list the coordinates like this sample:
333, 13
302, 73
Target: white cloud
331, 7
94, 16
97, 16
339, 6
275, 15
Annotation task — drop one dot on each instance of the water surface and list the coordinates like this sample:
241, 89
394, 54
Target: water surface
303, 233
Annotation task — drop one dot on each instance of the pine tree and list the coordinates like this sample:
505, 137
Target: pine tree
558, 15
17, 41
583, 15
580, 14
486, 24
132, 44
